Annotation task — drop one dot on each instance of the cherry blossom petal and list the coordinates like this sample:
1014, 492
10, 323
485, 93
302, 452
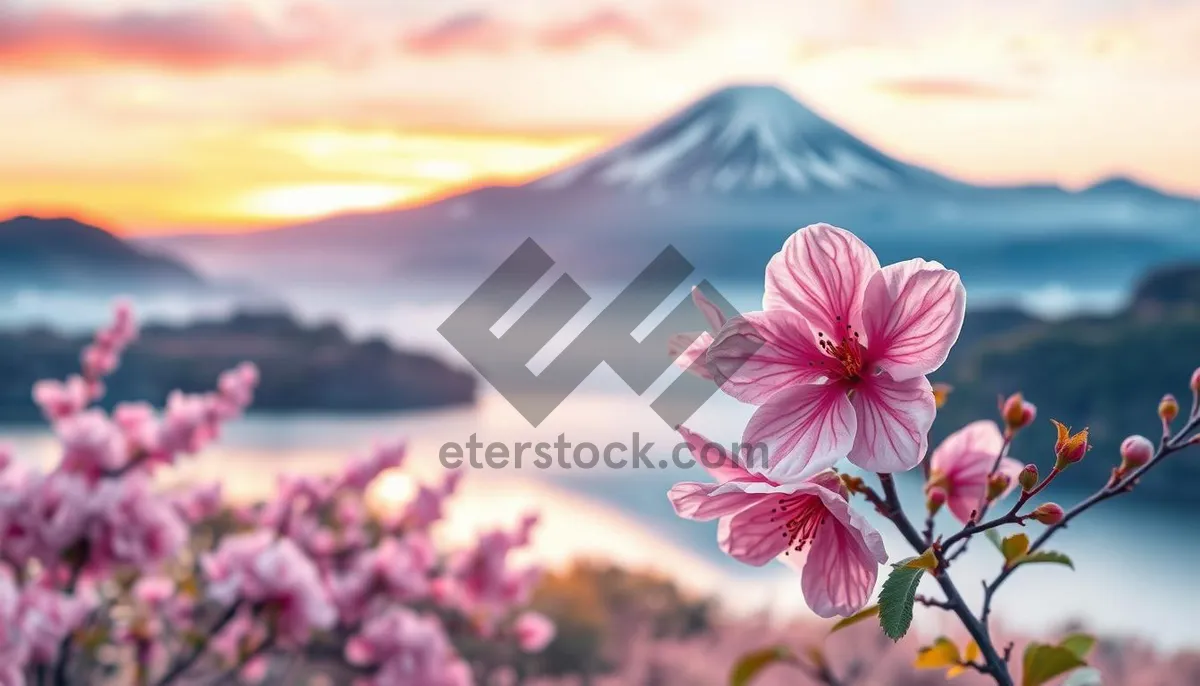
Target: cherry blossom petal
913, 312
715, 458
703, 502
893, 423
843, 562
803, 429
982, 436
688, 348
756, 355
712, 314
821, 272
754, 535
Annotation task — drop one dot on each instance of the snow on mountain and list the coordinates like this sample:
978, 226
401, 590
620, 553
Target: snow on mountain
754, 139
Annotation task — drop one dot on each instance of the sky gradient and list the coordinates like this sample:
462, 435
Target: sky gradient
223, 115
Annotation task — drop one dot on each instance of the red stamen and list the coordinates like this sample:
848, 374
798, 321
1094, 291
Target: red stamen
801, 516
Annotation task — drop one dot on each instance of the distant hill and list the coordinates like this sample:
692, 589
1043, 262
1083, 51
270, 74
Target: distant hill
726, 179
65, 254
303, 368
1104, 372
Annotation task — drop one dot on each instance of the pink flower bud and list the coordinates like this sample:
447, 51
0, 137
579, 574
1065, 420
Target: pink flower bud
1048, 513
935, 499
1135, 452
1168, 408
534, 631
1018, 413
1196, 381
1028, 478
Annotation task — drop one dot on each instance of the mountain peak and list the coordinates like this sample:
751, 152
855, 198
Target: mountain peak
754, 139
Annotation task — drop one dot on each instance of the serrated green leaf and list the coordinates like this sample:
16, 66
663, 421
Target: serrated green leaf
855, 618
1080, 644
1014, 547
751, 664
1043, 663
896, 599
1051, 556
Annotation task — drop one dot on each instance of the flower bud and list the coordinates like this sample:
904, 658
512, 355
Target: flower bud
941, 393
1135, 452
1017, 413
1069, 448
935, 499
1168, 408
1196, 381
1028, 477
1048, 513
996, 486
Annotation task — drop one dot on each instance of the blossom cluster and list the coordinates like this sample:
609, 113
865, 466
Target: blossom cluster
836, 364
102, 571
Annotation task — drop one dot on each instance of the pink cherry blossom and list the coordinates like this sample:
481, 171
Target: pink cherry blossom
200, 503
407, 649
363, 470
760, 519
483, 579
260, 570
47, 617
128, 525
60, 399
534, 631
92, 444
837, 360
961, 464
688, 348
14, 644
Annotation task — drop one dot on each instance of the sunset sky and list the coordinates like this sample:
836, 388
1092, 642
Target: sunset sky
186, 115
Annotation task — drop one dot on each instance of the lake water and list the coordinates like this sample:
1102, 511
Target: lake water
1134, 564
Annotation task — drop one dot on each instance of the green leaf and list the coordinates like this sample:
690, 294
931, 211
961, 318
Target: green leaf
855, 618
750, 664
1014, 547
896, 599
1044, 556
1043, 663
1080, 644
994, 536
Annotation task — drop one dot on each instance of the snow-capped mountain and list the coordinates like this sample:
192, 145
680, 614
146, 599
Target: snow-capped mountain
725, 180
743, 139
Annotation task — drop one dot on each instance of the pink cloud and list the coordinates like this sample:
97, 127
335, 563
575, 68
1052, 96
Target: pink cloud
184, 39
480, 32
602, 25
467, 32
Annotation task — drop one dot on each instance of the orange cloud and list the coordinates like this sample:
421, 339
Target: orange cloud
184, 39
946, 89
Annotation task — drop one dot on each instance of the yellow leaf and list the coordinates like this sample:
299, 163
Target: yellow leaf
1014, 547
943, 653
972, 652
872, 611
927, 561
954, 671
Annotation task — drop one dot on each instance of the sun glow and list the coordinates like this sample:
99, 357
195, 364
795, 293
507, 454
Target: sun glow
390, 492
317, 199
